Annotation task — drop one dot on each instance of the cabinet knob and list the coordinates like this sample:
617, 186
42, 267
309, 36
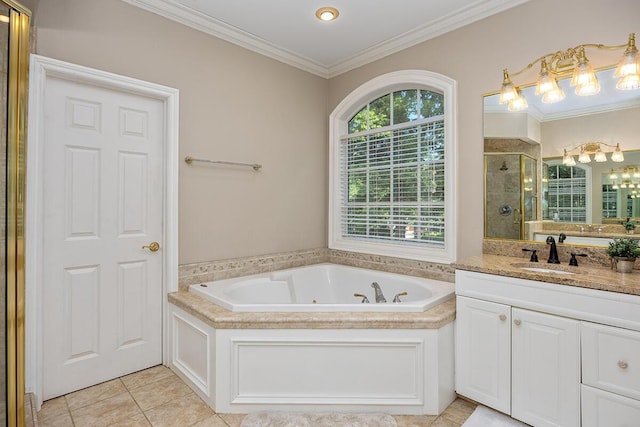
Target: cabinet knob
517, 322
622, 364
502, 317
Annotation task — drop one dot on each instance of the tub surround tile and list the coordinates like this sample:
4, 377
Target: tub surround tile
587, 276
221, 318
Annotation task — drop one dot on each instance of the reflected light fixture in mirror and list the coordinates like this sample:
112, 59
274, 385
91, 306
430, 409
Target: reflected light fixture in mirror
591, 148
584, 80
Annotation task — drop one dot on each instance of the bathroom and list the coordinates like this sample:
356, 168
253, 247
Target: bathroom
236, 104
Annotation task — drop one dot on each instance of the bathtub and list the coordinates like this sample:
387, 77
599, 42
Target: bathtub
324, 287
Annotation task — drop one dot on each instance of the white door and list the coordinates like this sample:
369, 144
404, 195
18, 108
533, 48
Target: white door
103, 201
483, 352
546, 369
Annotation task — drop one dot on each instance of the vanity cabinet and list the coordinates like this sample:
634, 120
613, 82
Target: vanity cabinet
520, 362
548, 354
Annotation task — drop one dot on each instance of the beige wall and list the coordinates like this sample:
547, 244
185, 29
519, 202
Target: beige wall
234, 105
238, 105
475, 56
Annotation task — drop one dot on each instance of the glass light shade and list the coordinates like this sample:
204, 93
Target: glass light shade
615, 186
623, 185
584, 78
518, 103
508, 92
555, 95
600, 156
567, 159
625, 175
630, 62
617, 155
584, 157
630, 82
636, 174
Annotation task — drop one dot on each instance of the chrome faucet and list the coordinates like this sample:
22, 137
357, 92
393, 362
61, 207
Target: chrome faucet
379, 295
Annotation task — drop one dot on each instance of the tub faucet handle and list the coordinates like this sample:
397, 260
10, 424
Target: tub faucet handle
397, 297
365, 300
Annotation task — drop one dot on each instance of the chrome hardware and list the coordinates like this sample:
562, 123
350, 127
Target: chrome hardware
622, 364
153, 246
517, 322
397, 297
502, 317
365, 300
379, 295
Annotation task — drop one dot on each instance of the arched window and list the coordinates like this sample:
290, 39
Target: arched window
391, 168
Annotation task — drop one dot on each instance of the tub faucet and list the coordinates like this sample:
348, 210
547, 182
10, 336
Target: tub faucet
553, 252
379, 296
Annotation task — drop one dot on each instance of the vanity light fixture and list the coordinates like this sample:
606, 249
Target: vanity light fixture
327, 13
591, 148
573, 60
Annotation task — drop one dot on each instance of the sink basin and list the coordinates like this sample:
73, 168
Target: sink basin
546, 268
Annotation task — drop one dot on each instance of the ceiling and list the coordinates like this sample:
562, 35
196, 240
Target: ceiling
288, 30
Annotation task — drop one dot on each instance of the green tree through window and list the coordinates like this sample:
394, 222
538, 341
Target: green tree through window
393, 169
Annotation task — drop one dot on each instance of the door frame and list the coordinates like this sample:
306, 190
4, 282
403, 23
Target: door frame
42, 68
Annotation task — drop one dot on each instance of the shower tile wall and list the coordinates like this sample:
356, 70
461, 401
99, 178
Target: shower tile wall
502, 196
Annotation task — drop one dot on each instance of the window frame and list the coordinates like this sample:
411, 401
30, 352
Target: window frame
338, 128
588, 191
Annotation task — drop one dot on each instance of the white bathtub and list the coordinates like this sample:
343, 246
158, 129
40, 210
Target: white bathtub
324, 287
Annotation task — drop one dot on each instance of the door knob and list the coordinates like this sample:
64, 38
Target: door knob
153, 246
518, 322
502, 317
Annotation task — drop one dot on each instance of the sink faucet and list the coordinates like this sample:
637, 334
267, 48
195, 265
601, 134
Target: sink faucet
379, 295
553, 252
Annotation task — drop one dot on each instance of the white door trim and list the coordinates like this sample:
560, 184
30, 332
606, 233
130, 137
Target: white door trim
41, 68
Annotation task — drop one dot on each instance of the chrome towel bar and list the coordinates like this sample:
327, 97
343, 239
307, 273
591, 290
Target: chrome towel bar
256, 167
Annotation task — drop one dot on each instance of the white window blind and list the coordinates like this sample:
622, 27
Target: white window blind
393, 183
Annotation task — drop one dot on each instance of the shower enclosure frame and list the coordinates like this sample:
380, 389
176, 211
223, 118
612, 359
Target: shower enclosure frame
17, 70
521, 207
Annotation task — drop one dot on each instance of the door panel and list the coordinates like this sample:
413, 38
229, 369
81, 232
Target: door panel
103, 201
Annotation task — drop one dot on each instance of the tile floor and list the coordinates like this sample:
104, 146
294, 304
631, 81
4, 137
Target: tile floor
157, 397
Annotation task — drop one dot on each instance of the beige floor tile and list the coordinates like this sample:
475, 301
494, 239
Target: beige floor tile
137, 421
213, 421
62, 420
180, 412
459, 411
444, 422
148, 376
107, 412
96, 393
53, 408
233, 420
415, 420
162, 391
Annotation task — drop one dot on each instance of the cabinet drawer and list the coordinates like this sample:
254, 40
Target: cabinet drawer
611, 359
604, 409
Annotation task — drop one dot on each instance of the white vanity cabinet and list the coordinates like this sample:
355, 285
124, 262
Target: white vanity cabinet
547, 354
520, 362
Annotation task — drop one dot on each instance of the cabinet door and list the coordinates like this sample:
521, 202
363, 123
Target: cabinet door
546, 369
604, 409
483, 356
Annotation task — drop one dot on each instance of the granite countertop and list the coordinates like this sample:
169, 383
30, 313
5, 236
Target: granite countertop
586, 276
602, 234
221, 318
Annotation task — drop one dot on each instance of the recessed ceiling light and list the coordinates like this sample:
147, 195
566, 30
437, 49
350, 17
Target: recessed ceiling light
327, 13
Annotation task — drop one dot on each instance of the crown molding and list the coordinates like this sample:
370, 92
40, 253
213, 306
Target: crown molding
201, 22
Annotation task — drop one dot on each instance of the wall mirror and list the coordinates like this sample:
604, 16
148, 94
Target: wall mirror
530, 193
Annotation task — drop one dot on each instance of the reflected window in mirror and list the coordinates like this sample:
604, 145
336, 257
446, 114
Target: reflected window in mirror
568, 195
